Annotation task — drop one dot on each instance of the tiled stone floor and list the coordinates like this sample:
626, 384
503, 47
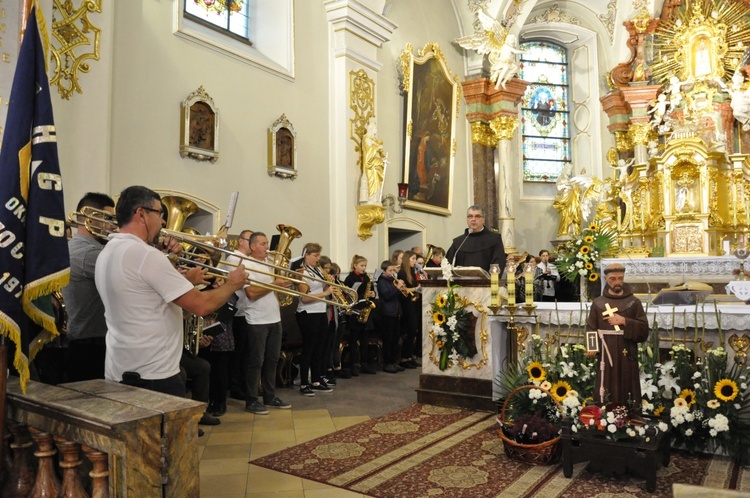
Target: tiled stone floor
226, 449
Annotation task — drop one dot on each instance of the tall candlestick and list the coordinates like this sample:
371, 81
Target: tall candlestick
511, 282
494, 285
528, 273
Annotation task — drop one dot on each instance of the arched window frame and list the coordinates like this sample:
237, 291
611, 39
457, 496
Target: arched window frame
545, 114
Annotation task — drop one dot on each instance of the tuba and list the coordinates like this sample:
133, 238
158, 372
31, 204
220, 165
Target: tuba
281, 258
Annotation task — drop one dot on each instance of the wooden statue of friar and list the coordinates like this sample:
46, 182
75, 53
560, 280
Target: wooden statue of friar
620, 323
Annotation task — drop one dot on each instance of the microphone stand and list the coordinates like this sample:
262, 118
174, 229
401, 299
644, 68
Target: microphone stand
453, 263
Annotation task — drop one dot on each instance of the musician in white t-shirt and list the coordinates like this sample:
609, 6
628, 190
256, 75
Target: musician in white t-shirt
143, 296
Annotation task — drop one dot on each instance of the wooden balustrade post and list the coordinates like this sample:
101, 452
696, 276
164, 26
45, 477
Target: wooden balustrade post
72, 487
47, 483
23, 471
6, 463
100, 473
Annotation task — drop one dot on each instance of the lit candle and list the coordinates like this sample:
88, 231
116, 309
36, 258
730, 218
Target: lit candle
494, 285
510, 271
528, 273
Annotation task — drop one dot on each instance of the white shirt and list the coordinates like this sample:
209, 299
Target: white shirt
548, 288
242, 300
315, 288
137, 284
266, 309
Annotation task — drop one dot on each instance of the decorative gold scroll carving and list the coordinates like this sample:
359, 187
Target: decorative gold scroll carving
362, 102
77, 40
368, 215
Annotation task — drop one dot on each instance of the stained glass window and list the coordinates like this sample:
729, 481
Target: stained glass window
228, 16
545, 124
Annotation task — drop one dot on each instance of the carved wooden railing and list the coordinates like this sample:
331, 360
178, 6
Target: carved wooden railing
137, 443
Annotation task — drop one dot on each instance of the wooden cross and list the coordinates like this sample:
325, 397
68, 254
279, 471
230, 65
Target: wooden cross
610, 313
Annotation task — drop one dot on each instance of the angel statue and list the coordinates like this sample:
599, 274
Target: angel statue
575, 198
499, 46
740, 100
374, 161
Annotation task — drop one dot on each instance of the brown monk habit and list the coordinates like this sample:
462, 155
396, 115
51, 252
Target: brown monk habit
617, 378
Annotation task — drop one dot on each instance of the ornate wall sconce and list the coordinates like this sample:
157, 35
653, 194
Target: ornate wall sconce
369, 215
390, 201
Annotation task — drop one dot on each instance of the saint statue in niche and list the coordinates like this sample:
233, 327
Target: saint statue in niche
702, 66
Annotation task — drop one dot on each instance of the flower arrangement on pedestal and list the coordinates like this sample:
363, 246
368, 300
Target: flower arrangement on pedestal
578, 257
451, 323
707, 400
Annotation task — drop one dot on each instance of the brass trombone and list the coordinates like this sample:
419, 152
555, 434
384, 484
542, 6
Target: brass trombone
96, 219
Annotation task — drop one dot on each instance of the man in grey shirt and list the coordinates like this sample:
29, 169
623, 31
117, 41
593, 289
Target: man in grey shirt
84, 359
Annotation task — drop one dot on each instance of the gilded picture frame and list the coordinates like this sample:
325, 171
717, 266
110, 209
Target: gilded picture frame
282, 149
199, 127
432, 102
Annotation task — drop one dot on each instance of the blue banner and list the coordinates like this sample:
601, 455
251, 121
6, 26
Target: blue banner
34, 259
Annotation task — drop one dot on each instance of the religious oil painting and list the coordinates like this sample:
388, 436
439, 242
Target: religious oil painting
432, 99
282, 149
199, 127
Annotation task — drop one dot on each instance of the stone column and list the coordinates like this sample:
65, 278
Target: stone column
504, 128
493, 115
357, 31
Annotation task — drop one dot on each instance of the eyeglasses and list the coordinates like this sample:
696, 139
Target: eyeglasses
243, 238
152, 210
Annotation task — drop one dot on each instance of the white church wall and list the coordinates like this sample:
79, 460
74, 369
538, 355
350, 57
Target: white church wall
155, 70
421, 22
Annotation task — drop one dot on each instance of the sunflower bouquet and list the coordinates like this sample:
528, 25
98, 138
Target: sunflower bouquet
451, 324
579, 256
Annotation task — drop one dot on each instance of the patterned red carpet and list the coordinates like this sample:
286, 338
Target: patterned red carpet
428, 451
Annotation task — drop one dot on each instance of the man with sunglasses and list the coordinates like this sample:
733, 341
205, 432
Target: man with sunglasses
144, 295
478, 246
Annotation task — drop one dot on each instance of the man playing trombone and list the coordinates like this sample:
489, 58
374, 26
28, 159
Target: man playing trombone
143, 295
263, 315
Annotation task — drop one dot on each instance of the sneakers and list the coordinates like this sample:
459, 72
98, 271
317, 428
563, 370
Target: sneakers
331, 381
399, 367
256, 407
208, 419
321, 387
277, 403
391, 368
306, 391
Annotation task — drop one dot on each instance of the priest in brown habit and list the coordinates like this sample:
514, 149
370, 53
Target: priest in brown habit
618, 318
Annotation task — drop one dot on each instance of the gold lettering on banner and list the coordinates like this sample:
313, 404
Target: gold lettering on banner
2, 27
6, 57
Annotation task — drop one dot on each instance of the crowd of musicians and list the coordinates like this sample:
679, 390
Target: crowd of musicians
127, 304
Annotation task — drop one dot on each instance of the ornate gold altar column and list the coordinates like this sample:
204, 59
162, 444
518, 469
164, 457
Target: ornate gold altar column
356, 34
493, 115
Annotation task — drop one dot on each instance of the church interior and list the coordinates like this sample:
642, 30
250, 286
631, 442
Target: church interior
373, 125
